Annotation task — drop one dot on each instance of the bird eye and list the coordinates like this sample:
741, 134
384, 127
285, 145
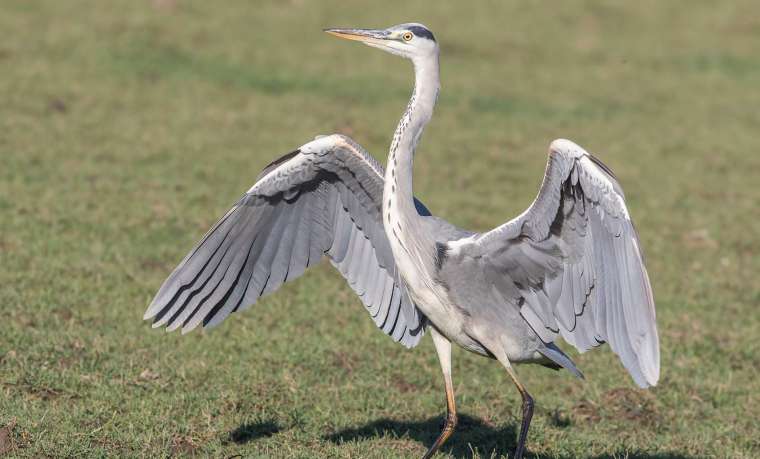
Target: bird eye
407, 36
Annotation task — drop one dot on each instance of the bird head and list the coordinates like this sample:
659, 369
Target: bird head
412, 41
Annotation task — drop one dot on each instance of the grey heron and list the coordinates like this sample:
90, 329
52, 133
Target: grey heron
570, 265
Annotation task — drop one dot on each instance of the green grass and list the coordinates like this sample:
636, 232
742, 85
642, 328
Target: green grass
127, 128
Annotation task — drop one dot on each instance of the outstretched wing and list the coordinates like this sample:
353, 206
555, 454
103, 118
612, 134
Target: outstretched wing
324, 198
573, 264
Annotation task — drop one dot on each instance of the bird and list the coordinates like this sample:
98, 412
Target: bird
569, 266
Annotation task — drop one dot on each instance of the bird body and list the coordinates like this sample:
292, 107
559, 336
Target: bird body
569, 266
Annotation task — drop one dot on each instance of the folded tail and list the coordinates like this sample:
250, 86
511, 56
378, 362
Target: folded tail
555, 354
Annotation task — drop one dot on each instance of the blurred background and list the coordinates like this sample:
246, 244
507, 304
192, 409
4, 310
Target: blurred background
128, 127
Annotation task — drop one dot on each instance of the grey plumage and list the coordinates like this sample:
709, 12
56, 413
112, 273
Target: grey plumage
570, 265
321, 200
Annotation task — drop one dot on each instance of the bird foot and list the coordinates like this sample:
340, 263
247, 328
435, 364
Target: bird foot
448, 427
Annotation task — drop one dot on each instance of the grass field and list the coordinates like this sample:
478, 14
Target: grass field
127, 128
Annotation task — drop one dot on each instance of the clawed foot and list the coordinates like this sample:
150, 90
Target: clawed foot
449, 424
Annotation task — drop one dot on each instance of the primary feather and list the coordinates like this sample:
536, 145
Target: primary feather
322, 199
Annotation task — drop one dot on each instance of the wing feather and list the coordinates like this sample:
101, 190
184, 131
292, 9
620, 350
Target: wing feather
322, 199
576, 246
282, 257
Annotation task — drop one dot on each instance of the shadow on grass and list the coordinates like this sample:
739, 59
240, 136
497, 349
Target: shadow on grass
472, 435
253, 431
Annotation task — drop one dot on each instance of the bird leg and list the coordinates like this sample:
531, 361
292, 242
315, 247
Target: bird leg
527, 411
443, 348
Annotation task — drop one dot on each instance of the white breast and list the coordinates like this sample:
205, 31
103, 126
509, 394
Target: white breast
430, 297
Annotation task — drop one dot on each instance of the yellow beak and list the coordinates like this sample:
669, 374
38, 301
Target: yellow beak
362, 35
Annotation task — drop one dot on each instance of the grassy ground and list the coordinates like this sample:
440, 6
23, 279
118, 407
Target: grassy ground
127, 128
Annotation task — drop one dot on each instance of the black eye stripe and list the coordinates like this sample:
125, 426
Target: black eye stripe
422, 32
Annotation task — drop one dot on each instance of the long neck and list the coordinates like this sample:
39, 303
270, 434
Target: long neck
398, 197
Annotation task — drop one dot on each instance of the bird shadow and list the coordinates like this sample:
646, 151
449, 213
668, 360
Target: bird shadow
469, 432
251, 431
472, 436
